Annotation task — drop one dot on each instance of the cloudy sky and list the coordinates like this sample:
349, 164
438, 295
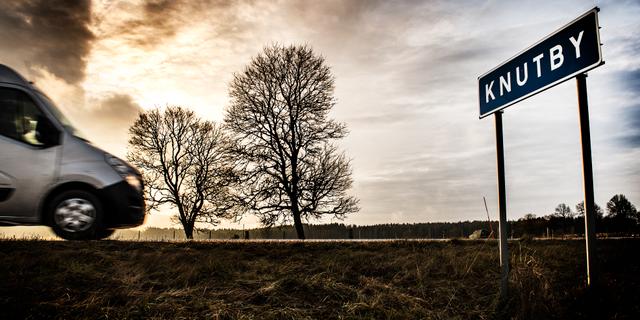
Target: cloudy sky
406, 86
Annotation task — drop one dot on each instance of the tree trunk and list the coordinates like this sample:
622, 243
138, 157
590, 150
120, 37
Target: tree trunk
188, 230
297, 222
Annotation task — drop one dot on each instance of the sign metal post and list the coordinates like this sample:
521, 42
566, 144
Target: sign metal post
502, 206
587, 174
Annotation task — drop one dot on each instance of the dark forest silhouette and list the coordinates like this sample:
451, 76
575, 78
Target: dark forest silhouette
556, 225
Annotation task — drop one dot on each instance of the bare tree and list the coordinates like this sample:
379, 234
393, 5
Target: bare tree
185, 163
621, 208
580, 210
563, 211
279, 118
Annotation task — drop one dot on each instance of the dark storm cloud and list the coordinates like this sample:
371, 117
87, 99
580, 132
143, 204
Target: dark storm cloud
160, 20
630, 121
631, 80
49, 34
107, 124
632, 139
116, 110
163, 19
112, 111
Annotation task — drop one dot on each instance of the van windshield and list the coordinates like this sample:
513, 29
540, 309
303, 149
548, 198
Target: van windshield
60, 116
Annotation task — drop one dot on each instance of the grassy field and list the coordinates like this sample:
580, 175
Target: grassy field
313, 280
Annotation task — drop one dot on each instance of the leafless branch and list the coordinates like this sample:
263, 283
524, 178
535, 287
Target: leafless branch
279, 119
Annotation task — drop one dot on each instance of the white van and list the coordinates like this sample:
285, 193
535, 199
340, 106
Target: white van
51, 176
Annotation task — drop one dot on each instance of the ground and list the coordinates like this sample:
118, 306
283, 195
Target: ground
314, 280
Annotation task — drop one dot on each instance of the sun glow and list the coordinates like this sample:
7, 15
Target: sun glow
159, 73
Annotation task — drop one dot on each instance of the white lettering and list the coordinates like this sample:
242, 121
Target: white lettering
556, 57
537, 61
505, 84
526, 75
487, 91
556, 60
576, 43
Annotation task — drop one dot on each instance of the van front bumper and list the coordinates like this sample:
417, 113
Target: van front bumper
123, 205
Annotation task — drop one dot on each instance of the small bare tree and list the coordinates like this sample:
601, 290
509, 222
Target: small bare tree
279, 119
621, 208
185, 163
563, 211
580, 210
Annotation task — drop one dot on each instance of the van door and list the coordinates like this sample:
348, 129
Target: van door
29, 149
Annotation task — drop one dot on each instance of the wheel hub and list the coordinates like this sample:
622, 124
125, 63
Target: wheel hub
75, 215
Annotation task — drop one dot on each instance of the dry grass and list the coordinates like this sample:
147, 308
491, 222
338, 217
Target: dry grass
311, 280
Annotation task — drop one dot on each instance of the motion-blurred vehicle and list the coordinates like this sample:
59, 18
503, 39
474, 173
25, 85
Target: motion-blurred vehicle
50, 175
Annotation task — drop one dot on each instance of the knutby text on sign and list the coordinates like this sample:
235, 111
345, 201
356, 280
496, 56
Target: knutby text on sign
573, 49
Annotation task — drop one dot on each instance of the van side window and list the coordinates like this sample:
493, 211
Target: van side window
19, 117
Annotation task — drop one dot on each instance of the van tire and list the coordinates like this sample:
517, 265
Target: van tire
76, 215
104, 233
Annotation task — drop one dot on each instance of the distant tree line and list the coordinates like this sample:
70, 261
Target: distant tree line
621, 219
442, 230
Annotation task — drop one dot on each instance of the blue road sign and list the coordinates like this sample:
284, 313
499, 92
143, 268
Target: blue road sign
573, 49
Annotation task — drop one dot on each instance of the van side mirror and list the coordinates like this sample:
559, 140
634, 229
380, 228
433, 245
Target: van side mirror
46, 132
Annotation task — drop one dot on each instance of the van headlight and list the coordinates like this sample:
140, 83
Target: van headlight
135, 182
125, 171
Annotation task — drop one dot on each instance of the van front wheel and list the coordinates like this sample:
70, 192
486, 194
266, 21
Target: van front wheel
76, 215
104, 233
